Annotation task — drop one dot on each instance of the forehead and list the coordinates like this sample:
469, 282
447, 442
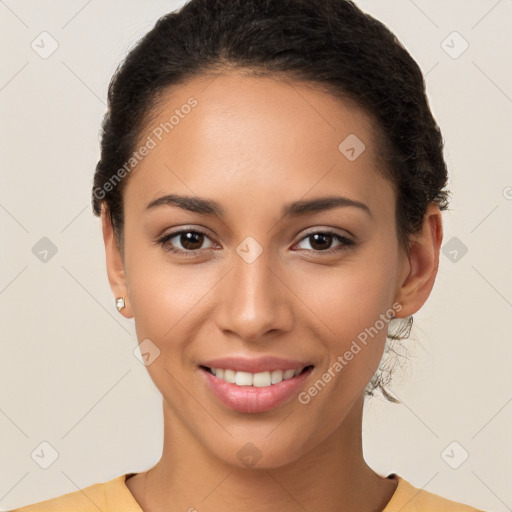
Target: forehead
229, 136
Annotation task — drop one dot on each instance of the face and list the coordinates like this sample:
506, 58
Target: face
243, 279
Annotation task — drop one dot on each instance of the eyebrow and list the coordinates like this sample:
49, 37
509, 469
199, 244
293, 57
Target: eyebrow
294, 209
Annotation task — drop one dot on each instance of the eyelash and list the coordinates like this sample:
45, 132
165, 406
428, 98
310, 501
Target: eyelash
346, 242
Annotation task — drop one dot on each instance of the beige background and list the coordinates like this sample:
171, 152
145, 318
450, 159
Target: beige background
68, 373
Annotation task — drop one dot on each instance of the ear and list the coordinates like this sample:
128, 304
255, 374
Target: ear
420, 273
115, 264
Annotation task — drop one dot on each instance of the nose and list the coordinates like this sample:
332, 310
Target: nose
254, 300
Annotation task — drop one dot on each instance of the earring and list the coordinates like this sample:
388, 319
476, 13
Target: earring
120, 303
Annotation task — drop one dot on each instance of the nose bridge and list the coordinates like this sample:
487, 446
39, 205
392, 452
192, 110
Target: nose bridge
253, 298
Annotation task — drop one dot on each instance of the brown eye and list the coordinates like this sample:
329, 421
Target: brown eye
189, 241
321, 241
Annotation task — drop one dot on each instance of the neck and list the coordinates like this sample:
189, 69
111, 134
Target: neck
333, 476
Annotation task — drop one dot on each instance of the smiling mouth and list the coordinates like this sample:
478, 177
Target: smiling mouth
260, 379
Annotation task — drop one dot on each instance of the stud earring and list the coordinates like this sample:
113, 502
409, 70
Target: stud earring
120, 303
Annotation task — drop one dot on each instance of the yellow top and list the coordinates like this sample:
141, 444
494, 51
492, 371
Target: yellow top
114, 496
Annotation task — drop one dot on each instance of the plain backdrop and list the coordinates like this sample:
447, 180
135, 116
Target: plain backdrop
69, 376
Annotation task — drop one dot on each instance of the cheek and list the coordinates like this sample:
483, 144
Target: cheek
168, 300
351, 307
347, 299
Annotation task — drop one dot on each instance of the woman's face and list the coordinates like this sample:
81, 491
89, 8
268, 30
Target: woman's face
259, 283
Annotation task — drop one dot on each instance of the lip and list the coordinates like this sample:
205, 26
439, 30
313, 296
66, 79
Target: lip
250, 399
255, 365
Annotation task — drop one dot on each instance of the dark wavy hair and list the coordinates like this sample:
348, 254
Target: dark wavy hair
329, 44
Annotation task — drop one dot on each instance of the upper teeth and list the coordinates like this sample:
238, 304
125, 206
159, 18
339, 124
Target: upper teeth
258, 380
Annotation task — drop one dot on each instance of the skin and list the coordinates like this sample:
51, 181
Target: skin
254, 144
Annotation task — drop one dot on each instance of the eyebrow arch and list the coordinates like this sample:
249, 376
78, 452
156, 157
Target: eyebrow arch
321, 204
294, 209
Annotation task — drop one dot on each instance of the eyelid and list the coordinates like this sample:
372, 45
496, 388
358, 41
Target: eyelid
181, 229
326, 229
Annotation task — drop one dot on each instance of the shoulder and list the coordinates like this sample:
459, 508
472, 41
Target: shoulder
99, 496
408, 498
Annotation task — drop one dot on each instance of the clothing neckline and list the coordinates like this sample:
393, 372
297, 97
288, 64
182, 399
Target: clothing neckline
395, 497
